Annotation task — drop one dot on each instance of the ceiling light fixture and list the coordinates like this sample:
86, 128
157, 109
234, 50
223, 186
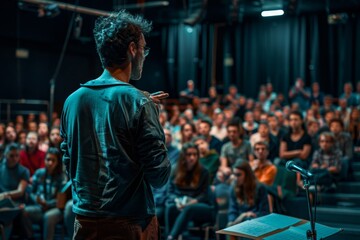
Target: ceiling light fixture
272, 13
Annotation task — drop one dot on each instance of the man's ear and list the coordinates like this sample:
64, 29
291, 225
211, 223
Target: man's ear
132, 49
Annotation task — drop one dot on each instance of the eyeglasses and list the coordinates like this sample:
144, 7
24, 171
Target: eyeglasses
146, 50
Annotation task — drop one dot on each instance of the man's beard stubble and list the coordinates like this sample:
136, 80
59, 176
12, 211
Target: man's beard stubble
136, 63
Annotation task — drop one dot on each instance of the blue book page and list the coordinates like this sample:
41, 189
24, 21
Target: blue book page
251, 228
277, 220
299, 232
322, 231
287, 235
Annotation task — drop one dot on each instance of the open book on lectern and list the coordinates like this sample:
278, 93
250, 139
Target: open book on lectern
276, 226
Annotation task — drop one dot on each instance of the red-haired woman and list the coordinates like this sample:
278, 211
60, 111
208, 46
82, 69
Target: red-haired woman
189, 198
248, 198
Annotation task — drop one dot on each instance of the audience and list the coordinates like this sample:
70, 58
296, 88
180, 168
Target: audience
317, 131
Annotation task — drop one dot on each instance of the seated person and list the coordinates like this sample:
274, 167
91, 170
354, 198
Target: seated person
188, 193
236, 149
296, 145
188, 95
326, 163
47, 182
14, 179
208, 158
248, 198
344, 143
263, 168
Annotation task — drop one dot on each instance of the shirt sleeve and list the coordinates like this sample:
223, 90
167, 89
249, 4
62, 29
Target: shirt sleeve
150, 147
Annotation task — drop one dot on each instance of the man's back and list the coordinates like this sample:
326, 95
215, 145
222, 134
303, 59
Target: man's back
114, 149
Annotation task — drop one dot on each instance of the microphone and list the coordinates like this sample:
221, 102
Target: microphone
291, 166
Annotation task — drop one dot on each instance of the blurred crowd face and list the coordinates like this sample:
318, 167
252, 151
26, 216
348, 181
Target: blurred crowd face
336, 128
261, 151
22, 138
329, 116
327, 101
12, 158
187, 132
299, 83
212, 92
55, 136
269, 88
263, 130
219, 119
347, 88
249, 117
326, 143
32, 126
191, 158
43, 130
280, 117
51, 161
202, 145
204, 129
342, 103
190, 84
273, 122
32, 140
43, 118
315, 87
240, 176
10, 134
313, 127
295, 121
233, 133
19, 119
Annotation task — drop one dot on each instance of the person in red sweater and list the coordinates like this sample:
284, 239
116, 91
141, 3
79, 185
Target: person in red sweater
31, 157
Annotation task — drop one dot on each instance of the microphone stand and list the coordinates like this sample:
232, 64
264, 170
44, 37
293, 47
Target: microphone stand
310, 234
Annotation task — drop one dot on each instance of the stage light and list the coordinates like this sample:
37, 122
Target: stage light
272, 13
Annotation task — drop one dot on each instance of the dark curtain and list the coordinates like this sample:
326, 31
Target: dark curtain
256, 51
182, 60
278, 50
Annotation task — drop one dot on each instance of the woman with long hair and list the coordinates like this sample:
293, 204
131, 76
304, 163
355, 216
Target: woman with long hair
248, 197
189, 198
47, 182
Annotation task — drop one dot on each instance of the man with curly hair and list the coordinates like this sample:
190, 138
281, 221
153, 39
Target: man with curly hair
114, 146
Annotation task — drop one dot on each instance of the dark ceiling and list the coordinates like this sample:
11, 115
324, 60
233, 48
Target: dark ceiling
216, 10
